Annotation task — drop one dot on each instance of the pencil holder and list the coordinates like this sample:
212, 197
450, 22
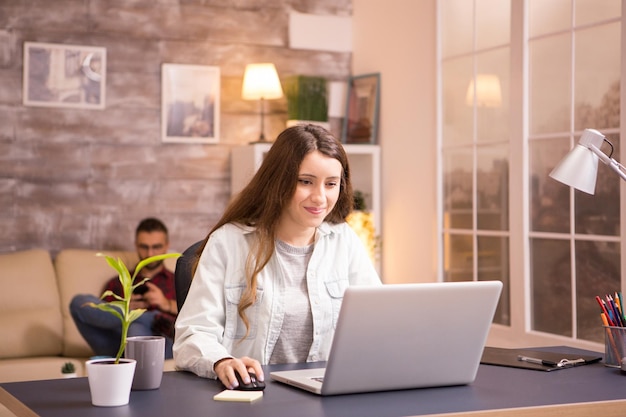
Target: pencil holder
614, 346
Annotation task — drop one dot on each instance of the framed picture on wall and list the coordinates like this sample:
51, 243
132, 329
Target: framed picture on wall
361, 124
57, 75
190, 103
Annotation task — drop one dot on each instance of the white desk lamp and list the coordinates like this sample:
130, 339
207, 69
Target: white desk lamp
579, 168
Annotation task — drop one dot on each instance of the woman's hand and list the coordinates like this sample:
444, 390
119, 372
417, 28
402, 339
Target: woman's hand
225, 370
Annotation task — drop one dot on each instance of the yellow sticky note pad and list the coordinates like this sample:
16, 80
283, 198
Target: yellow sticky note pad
238, 396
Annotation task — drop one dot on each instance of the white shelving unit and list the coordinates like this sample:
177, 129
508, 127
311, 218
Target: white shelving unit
364, 166
244, 162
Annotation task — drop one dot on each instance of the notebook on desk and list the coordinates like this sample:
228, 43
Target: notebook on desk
403, 336
539, 360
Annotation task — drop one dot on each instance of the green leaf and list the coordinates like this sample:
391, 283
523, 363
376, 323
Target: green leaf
108, 308
135, 314
109, 293
140, 283
120, 304
154, 258
116, 264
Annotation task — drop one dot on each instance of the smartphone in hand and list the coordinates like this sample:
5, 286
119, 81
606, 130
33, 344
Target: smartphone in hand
141, 290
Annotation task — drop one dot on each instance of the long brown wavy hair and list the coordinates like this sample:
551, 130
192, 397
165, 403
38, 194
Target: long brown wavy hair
260, 204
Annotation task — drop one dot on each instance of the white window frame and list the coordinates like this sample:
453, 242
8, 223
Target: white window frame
519, 332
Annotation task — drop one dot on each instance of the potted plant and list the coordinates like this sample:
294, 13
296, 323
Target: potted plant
306, 100
110, 379
68, 370
362, 222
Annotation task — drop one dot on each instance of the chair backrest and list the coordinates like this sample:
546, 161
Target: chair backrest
183, 273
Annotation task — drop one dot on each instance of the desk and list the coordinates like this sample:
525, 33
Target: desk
497, 391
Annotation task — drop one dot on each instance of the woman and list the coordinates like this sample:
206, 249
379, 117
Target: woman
271, 275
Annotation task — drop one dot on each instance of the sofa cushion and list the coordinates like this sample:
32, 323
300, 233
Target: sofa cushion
30, 314
80, 271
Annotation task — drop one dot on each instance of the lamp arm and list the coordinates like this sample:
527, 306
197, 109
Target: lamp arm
612, 163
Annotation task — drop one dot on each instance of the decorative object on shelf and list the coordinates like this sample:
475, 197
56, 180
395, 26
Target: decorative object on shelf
307, 100
337, 99
361, 124
110, 379
579, 168
260, 82
57, 75
190, 103
362, 222
68, 370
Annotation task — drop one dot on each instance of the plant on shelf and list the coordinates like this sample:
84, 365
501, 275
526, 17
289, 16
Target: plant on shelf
362, 222
110, 379
359, 201
120, 307
306, 99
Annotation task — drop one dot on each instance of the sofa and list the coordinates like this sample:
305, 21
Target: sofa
38, 333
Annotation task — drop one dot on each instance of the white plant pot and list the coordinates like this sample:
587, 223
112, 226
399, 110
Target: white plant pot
72, 375
110, 383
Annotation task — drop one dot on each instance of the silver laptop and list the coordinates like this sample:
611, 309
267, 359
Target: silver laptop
401, 336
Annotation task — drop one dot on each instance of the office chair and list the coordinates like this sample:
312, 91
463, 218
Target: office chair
182, 273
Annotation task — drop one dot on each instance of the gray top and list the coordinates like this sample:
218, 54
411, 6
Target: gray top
296, 333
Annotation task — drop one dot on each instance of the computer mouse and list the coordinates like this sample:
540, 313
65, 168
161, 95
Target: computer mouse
254, 385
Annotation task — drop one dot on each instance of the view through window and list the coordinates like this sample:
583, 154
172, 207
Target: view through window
571, 81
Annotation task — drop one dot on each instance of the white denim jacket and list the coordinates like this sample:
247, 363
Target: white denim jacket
208, 327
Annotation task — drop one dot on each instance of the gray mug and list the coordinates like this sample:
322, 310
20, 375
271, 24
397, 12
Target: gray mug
149, 352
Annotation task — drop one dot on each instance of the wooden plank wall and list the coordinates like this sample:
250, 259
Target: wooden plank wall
75, 178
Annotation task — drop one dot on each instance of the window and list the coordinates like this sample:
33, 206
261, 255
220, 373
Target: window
475, 70
519, 82
574, 237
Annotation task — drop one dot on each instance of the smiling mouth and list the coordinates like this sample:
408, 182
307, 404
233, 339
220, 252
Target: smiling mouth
313, 210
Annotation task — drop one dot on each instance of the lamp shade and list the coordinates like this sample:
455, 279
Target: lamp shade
486, 89
260, 81
579, 168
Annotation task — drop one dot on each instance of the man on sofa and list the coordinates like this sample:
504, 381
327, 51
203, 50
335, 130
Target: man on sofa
102, 330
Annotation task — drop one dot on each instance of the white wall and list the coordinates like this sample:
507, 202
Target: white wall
398, 39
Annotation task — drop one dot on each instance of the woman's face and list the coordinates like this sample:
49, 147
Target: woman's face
317, 191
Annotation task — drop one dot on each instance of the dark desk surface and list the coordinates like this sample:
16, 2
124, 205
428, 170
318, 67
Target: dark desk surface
185, 395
